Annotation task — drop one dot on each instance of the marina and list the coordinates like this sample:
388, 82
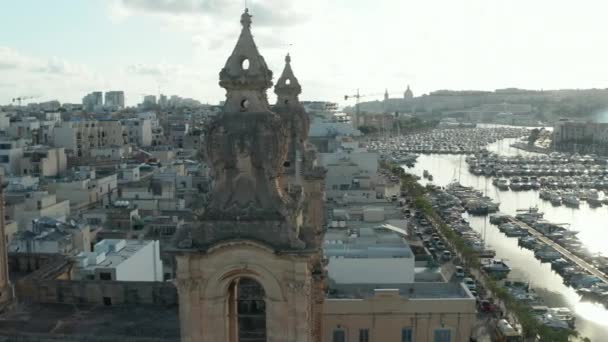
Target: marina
542, 277
443, 141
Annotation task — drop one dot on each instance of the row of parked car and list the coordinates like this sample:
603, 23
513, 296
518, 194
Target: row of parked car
423, 229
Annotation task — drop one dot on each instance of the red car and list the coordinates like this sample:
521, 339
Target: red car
486, 306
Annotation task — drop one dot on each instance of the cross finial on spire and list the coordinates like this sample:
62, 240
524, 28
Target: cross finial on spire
246, 19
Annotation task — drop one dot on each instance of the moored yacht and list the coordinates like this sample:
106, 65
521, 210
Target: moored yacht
571, 200
515, 184
502, 184
497, 268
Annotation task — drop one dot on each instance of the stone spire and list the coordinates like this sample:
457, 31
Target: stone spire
245, 147
385, 94
287, 88
288, 104
246, 72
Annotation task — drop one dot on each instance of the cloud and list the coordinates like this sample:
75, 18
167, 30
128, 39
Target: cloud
163, 70
11, 59
58, 66
270, 13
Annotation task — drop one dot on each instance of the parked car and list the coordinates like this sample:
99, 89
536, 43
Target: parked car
459, 272
469, 283
486, 306
440, 246
446, 255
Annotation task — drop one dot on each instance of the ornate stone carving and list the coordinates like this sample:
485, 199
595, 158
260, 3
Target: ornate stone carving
187, 285
245, 147
299, 287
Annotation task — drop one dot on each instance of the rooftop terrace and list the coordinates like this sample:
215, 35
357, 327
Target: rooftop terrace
411, 291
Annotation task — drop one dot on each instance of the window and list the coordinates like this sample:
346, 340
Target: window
105, 276
247, 310
339, 335
4, 159
442, 335
406, 335
363, 335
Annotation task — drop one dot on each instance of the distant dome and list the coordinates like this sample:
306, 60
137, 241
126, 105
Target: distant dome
408, 95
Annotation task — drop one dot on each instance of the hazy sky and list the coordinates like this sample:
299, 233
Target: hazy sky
62, 49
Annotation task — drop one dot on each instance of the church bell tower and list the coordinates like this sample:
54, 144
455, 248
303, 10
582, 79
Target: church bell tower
250, 269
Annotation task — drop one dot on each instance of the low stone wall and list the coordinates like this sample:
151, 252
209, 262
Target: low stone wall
30, 263
96, 292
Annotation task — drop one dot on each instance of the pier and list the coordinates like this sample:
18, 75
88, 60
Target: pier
564, 252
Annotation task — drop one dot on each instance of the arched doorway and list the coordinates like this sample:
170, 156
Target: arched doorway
246, 311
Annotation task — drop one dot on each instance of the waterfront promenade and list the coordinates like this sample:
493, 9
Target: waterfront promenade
565, 253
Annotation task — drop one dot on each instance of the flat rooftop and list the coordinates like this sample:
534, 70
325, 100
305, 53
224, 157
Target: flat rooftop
412, 290
366, 242
90, 323
114, 258
116, 251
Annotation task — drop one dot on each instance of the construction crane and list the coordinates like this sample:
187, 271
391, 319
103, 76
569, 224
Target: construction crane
357, 97
22, 98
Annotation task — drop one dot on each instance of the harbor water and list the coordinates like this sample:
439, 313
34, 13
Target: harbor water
592, 224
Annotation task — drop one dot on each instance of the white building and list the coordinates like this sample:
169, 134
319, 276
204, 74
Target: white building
121, 260
139, 131
368, 255
115, 99
92, 101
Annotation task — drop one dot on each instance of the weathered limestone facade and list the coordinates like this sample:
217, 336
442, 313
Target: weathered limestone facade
251, 269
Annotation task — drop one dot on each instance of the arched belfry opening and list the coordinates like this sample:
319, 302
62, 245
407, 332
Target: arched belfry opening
246, 311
